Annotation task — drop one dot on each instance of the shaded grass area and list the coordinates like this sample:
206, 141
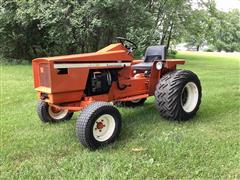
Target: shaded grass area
206, 147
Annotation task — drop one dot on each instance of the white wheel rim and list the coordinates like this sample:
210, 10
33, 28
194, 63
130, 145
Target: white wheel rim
57, 114
136, 100
104, 127
191, 99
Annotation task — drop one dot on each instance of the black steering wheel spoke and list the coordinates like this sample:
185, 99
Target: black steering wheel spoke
132, 45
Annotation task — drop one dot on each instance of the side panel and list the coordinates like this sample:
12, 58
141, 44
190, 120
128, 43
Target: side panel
135, 85
74, 80
46, 76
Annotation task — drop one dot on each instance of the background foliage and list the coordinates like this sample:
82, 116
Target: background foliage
33, 28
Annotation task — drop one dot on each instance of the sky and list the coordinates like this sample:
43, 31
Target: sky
226, 5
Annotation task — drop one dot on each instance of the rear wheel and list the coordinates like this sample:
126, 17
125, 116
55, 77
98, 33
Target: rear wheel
134, 103
178, 95
52, 114
98, 124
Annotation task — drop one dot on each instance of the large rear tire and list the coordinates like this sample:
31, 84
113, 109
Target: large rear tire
50, 114
178, 95
98, 125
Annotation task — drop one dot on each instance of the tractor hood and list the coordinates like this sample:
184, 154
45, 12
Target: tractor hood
113, 52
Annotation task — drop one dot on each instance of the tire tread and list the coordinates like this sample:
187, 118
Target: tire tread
83, 125
168, 91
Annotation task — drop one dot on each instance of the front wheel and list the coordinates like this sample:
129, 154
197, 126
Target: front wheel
51, 114
98, 124
178, 95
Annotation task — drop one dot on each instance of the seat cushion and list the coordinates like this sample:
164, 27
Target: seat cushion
152, 58
155, 52
145, 66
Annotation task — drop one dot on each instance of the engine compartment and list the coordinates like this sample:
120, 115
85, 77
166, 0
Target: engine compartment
100, 81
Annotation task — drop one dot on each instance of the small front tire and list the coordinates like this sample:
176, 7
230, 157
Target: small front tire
51, 114
98, 125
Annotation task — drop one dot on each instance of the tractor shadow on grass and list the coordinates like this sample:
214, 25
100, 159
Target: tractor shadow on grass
140, 121
137, 124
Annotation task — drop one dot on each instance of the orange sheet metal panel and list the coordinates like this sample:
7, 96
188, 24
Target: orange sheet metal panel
171, 63
110, 53
135, 87
132, 98
62, 97
74, 80
37, 71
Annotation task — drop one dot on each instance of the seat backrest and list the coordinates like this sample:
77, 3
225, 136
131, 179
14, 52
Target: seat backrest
155, 53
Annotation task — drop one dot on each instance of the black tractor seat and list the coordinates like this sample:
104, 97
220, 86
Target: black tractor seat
153, 53
143, 66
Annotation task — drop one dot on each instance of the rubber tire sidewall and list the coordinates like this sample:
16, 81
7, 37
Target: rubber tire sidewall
189, 115
88, 117
42, 110
173, 84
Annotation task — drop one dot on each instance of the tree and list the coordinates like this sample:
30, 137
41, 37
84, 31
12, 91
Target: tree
197, 31
33, 28
225, 31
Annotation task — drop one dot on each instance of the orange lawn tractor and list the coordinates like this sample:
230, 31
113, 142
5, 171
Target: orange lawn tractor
94, 82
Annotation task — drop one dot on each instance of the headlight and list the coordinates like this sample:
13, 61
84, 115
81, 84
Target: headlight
159, 65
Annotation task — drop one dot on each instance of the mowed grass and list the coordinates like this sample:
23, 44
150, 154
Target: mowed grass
149, 146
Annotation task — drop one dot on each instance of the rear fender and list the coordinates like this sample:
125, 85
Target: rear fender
168, 65
172, 63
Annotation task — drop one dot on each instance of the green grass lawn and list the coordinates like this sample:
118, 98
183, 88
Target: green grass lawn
149, 146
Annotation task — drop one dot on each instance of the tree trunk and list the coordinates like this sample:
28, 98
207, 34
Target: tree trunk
219, 49
82, 48
163, 39
198, 47
169, 36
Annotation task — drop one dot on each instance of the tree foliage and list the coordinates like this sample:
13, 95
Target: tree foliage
225, 31
213, 27
33, 28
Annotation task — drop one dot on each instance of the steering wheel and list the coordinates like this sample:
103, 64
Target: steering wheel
130, 48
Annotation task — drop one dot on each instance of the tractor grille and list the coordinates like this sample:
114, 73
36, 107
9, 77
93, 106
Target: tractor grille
44, 75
